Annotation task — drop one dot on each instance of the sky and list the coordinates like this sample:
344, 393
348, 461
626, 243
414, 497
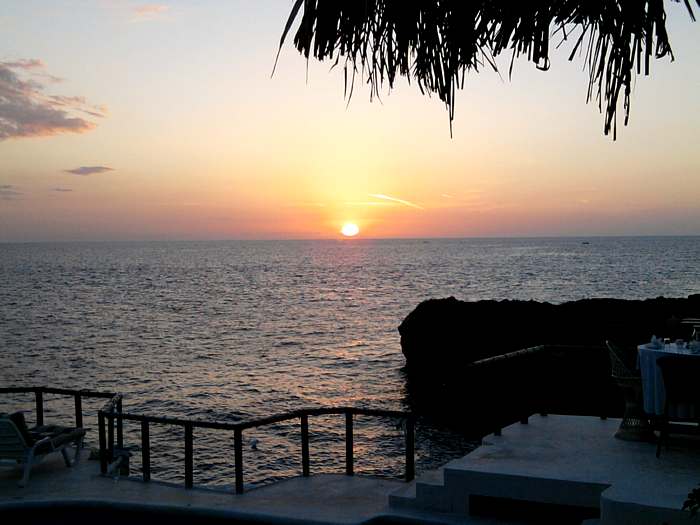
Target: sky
140, 121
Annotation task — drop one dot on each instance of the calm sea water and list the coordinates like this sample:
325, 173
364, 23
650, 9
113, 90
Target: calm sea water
231, 330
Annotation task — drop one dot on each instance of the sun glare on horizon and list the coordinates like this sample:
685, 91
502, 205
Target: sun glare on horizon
350, 229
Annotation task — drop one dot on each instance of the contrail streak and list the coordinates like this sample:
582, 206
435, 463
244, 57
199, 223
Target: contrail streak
394, 199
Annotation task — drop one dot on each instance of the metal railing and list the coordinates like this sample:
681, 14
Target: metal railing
112, 414
498, 361
39, 392
111, 419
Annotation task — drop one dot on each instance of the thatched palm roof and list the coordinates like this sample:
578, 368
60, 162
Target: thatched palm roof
436, 42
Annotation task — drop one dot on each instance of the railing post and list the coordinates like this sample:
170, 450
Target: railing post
238, 458
120, 425
78, 411
145, 451
410, 449
110, 436
305, 445
349, 453
103, 442
189, 475
39, 394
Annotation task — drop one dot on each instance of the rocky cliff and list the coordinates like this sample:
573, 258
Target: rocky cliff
442, 338
444, 335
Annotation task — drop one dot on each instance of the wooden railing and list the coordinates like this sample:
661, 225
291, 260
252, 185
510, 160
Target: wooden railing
112, 414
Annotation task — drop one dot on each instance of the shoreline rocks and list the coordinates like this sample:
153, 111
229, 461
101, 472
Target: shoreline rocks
441, 334
442, 338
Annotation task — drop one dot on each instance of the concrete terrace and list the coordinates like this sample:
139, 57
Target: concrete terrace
328, 499
570, 461
569, 464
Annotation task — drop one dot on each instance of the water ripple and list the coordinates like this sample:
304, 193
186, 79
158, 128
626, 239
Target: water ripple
232, 330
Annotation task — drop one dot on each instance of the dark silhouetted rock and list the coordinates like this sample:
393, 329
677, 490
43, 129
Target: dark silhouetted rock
443, 338
444, 335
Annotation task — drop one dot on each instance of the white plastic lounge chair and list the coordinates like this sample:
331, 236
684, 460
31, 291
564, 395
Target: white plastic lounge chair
23, 445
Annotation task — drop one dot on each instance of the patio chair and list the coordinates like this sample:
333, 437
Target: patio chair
30, 446
635, 424
680, 375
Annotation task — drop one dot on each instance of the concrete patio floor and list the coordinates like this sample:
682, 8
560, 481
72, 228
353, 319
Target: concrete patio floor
567, 460
337, 499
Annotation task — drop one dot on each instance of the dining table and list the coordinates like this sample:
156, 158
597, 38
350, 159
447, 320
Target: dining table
653, 389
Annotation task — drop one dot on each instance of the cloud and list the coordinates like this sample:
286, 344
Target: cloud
89, 170
27, 111
9, 192
394, 199
368, 203
148, 11
25, 63
61, 190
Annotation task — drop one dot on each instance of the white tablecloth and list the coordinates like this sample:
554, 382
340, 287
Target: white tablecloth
653, 383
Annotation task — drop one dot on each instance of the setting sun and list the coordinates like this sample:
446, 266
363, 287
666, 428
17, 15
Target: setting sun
350, 229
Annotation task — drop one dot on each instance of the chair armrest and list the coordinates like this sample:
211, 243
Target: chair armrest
46, 439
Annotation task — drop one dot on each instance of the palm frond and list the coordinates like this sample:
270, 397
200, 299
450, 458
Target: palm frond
436, 42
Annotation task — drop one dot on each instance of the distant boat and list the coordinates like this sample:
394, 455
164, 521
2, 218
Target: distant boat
585, 242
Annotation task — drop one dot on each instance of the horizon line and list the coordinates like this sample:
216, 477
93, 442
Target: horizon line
351, 239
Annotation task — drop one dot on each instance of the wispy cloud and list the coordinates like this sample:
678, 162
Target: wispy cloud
368, 203
26, 110
148, 11
61, 190
394, 199
25, 63
305, 205
89, 170
9, 192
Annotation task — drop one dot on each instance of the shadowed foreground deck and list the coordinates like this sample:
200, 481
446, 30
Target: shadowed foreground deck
84, 496
569, 461
555, 466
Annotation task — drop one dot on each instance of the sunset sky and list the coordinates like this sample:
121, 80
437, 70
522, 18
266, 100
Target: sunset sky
132, 121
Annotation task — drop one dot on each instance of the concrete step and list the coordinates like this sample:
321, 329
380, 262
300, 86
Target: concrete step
404, 497
431, 493
462, 483
425, 493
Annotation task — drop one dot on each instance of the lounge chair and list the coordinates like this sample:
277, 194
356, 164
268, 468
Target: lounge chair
635, 423
29, 446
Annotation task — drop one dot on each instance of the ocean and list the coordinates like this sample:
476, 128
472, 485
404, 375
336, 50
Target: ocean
240, 329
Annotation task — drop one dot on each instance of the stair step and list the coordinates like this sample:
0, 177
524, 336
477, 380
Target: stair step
433, 477
427, 492
404, 497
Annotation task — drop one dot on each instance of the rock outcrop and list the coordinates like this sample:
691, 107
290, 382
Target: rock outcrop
442, 338
444, 335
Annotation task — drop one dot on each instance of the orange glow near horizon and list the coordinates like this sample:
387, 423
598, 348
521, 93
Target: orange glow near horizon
175, 155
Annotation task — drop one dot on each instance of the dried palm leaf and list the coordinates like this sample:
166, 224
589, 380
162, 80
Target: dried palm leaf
436, 42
